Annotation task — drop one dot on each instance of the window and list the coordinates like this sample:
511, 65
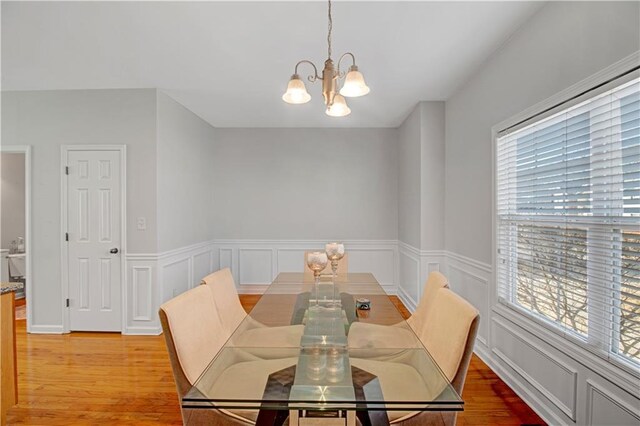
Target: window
568, 220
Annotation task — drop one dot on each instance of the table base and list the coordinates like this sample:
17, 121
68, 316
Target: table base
366, 385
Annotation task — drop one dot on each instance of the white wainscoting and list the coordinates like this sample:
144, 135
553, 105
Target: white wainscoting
255, 263
607, 406
414, 266
142, 295
548, 373
560, 384
155, 278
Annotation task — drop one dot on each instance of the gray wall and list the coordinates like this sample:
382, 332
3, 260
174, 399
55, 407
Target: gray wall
420, 197
185, 176
305, 184
48, 119
12, 191
432, 140
421, 151
409, 193
561, 45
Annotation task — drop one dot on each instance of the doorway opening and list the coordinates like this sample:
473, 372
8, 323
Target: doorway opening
15, 224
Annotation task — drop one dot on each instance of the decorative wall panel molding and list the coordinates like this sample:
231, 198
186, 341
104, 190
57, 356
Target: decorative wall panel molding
255, 266
166, 275
542, 368
141, 295
255, 263
606, 407
544, 371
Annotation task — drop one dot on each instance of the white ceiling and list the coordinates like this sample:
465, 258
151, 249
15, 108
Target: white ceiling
229, 62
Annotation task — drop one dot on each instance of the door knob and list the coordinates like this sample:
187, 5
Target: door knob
113, 251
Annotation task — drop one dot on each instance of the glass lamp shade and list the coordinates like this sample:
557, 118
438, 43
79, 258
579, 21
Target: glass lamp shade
354, 84
339, 107
296, 92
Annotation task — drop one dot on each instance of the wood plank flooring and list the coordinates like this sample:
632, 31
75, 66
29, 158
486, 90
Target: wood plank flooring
107, 378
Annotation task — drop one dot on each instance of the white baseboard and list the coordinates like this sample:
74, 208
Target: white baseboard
406, 300
46, 329
143, 331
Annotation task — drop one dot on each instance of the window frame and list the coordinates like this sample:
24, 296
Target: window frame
616, 366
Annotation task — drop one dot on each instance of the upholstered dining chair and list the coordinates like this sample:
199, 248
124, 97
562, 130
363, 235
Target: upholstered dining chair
343, 267
194, 335
449, 335
249, 333
435, 281
364, 335
225, 295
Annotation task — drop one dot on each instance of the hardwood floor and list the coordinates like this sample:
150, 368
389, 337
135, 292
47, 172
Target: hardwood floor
106, 378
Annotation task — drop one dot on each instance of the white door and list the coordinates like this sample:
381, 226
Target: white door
93, 227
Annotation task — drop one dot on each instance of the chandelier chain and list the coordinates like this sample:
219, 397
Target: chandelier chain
330, 28
331, 76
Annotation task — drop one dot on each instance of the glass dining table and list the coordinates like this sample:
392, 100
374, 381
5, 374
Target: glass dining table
306, 351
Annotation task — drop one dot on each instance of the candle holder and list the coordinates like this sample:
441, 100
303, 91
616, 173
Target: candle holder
335, 252
317, 261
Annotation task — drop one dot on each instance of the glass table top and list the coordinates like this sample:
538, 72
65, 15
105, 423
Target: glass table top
307, 347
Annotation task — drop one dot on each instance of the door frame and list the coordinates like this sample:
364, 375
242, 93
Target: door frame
26, 150
64, 247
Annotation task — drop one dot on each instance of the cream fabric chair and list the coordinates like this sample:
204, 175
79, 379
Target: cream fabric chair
449, 336
343, 267
225, 295
435, 281
364, 335
250, 333
194, 336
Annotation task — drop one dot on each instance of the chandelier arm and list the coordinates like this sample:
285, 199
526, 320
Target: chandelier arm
340, 74
311, 78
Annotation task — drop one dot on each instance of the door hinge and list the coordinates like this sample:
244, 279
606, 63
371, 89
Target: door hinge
67, 303
66, 236
66, 170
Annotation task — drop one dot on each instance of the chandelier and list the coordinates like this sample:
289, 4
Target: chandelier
353, 86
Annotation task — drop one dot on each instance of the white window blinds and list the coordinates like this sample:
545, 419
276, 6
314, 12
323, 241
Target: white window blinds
568, 221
